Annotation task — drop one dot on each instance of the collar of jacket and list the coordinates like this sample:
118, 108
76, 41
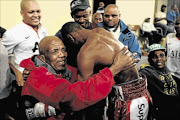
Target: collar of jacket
66, 74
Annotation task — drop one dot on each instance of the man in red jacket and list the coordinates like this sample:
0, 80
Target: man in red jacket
50, 80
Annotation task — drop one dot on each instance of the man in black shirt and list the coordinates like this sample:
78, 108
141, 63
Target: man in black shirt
161, 85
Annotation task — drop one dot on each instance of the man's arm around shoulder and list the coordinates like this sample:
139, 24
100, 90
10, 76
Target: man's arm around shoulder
51, 90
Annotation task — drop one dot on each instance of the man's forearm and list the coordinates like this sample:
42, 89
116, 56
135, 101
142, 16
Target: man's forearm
58, 91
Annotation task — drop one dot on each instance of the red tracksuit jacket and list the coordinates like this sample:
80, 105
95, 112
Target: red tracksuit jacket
52, 89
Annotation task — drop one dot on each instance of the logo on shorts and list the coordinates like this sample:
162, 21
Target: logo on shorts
139, 108
141, 113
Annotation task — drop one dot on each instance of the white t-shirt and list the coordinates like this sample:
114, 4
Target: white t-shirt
173, 54
147, 27
22, 41
161, 15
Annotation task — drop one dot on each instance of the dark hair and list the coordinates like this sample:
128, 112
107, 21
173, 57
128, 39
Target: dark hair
2, 31
69, 27
163, 6
71, 47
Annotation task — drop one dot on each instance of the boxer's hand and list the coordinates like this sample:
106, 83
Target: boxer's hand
39, 110
135, 60
25, 74
122, 60
51, 110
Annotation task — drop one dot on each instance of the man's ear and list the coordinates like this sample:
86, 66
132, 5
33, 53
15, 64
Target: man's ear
90, 13
42, 58
69, 36
119, 15
21, 12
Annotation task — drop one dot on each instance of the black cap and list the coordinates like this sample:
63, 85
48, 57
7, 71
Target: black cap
79, 4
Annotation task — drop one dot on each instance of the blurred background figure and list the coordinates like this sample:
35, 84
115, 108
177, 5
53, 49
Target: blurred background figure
148, 30
101, 8
97, 18
176, 11
171, 18
161, 21
6, 80
113, 23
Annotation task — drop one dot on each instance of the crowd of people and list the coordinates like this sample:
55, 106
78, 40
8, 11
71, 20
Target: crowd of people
87, 71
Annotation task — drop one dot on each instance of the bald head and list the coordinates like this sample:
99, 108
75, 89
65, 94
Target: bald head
31, 13
111, 16
53, 52
25, 2
46, 42
110, 6
97, 18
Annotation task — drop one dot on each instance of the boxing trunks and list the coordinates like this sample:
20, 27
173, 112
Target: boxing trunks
129, 101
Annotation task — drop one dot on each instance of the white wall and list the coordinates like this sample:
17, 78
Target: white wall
135, 11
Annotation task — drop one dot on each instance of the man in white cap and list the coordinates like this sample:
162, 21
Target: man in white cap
161, 85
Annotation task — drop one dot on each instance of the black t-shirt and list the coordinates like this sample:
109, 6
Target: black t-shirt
163, 90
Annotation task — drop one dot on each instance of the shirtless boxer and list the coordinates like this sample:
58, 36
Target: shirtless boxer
94, 50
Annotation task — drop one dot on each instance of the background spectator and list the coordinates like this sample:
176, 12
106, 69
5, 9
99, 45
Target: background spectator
161, 21
120, 30
161, 85
101, 8
173, 52
176, 11
171, 18
149, 30
97, 18
22, 40
80, 12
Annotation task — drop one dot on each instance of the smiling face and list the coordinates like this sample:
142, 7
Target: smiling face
82, 17
53, 52
111, 16
31, 13
158, 59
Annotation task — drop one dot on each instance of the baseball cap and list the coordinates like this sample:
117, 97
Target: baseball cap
155, 47
79, 4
